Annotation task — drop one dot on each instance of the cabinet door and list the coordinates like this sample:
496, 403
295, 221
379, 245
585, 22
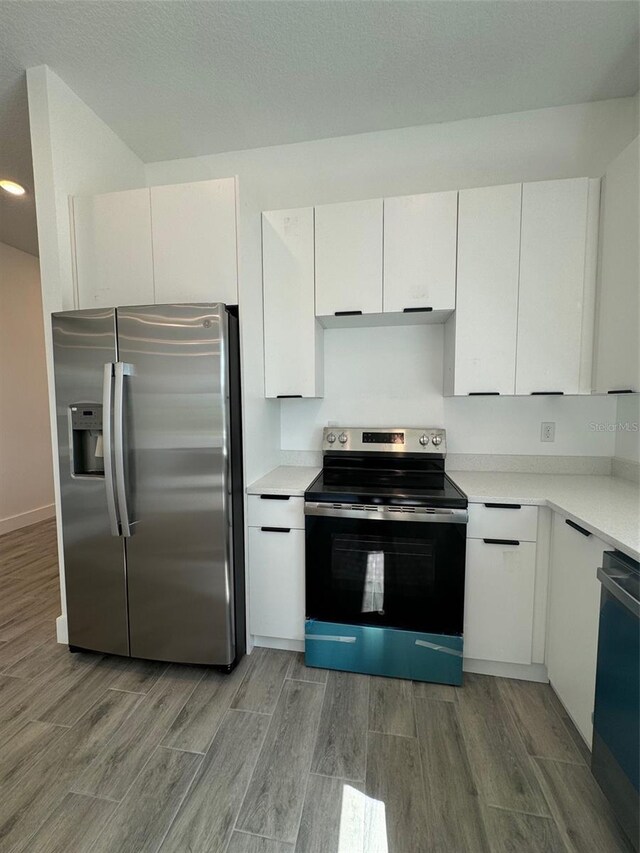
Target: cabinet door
552, 286
276, 583
617, 364
113, 259
420, 252
574, 603
348, 243
484, 358
499, 601
292, 336
194, 242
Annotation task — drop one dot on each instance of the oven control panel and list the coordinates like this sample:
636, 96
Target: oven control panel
408, 440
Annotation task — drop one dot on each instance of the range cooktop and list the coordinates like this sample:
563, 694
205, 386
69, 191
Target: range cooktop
396, 467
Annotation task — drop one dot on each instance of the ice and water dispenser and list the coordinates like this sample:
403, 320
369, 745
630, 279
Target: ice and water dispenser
86, 440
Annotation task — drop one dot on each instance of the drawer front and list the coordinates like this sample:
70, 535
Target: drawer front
276, 511
384, 651
497, 521
276, 584
499, 601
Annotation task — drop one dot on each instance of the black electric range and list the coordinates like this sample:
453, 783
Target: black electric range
385, 531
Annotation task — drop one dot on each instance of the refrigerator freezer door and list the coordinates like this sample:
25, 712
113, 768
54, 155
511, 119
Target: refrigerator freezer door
177, 451
95, 575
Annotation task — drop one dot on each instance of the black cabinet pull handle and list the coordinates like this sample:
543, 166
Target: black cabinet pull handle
346, 313
484, 394
577, 527
415, 310
621, 391
500, 541
274, 497
504, 506
276, 529
288, 396
547, 394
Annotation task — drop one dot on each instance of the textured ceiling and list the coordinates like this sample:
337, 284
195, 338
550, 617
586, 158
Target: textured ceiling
177, 79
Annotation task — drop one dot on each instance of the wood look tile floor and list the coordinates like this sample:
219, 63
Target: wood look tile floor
115, 756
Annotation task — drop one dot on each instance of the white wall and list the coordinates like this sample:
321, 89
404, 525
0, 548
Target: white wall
26, 481
627, 436
74, 152
261, 417
571, 141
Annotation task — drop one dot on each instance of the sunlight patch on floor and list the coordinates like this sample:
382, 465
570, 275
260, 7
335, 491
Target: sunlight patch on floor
363, 825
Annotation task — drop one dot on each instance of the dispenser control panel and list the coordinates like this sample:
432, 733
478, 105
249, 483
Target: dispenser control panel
86, 417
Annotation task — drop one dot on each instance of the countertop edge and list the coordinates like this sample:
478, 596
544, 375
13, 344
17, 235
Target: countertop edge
558, 507
284, 480
288, 480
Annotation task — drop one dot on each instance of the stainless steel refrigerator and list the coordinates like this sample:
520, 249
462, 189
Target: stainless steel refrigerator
150, 454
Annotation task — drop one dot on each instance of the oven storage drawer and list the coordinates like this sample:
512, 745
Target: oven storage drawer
276, 511
502, 521
384, 651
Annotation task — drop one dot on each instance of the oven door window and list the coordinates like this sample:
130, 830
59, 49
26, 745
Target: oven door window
394, 574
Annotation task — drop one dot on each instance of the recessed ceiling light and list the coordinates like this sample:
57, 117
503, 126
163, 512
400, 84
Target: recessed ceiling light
12, 187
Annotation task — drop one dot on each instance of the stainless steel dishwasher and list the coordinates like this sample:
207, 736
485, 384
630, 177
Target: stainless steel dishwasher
615, 759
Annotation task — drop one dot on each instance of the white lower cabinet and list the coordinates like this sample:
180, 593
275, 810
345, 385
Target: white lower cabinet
276, 584
574, 603
499, 601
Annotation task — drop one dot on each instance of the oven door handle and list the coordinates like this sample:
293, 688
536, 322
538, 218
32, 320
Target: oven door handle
388, 513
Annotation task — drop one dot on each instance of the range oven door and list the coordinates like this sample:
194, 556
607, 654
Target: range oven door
387, 567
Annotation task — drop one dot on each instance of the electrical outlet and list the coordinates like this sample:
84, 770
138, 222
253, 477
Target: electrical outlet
548, 431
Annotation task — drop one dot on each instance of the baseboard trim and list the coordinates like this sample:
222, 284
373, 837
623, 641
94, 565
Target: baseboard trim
24, 519
277, 643
62, 630
523, 672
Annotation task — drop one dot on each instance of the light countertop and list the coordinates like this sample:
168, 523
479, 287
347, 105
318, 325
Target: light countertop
284, 480
609, 507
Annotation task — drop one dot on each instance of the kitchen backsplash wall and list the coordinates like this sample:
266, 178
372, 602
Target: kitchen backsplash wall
393, 377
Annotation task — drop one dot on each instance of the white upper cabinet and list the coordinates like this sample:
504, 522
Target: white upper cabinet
293, 354
557, 286
194, 242
480, 339
420, 252
113, 257
617, 367
169, 244
348, 246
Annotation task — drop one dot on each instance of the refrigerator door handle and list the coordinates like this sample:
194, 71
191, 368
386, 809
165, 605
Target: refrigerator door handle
107, 394
120, 371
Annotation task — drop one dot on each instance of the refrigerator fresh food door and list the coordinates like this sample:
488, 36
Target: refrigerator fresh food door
176, 440
94, 563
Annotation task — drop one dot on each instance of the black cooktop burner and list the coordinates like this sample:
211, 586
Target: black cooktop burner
448, 496
378, 478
